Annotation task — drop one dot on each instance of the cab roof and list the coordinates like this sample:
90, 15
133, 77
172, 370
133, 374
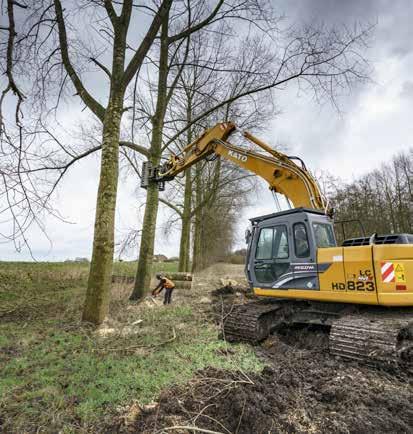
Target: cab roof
287, 212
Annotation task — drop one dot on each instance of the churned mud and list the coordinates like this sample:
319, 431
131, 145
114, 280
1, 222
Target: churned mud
302, 389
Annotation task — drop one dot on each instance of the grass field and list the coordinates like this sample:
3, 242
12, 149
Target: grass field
129, 268
70, 270
58, 375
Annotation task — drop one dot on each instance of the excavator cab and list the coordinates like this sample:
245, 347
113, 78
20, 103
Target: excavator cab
294, 254
282, 250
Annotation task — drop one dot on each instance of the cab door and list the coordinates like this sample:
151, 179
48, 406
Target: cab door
303, 263
271, 261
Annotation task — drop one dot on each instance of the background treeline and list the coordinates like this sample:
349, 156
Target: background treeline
381, 202
382, 199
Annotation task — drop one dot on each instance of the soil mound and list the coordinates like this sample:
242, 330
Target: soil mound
301, 392
303, 337
224, 297
229, 290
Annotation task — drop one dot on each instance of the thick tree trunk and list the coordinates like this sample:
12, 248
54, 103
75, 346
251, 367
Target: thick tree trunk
98, 291
186, 225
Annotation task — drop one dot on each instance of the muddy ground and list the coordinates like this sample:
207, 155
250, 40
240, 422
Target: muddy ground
302, 389
302, 396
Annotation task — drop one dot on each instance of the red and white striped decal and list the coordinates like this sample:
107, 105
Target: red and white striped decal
387, 272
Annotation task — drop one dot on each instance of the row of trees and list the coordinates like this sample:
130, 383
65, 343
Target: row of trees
382, 199
194, 63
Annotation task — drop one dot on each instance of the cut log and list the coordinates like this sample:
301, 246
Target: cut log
179, 276
183, 285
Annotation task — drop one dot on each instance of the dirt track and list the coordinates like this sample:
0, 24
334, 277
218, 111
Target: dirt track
302, 390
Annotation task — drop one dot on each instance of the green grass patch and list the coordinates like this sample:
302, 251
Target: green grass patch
129, 268
58, 375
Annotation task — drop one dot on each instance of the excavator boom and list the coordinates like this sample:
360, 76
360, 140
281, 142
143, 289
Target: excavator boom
280, 171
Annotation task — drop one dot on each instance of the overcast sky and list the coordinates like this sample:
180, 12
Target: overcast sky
374, 124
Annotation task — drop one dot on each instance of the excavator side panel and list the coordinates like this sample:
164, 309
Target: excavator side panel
331, 270
359, 272
393, 265
346, 275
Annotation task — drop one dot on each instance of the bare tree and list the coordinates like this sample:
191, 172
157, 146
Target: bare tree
48, 37
196, 92
326, 62
385, 192
172, 60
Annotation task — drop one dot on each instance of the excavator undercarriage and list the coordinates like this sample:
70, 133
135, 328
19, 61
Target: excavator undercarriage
368, 334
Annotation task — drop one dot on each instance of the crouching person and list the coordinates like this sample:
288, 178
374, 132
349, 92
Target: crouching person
168, 285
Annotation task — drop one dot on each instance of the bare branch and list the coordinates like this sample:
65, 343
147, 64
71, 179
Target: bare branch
139, 56
111, 12
102, 67
187, 32
11, 86
87, 98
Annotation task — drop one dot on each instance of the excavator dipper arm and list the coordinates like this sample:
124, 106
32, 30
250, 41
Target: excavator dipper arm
281, 173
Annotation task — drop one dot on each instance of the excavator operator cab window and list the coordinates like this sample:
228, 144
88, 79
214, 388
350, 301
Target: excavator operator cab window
281, 250
324, 235
273, 243
272, 254
264, 246
301, 244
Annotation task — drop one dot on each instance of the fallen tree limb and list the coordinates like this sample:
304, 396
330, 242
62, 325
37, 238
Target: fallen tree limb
135, 347
191, 428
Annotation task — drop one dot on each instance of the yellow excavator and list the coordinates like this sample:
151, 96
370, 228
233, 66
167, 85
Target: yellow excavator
361, 291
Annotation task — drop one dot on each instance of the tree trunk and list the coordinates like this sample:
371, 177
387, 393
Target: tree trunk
198, 220
98, 292
204, 255
186, 214
188, 250
143, 272
97, 300
186, 225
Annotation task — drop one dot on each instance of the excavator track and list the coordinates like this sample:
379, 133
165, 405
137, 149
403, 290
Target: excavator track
251, 322
384, 342
377, 339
